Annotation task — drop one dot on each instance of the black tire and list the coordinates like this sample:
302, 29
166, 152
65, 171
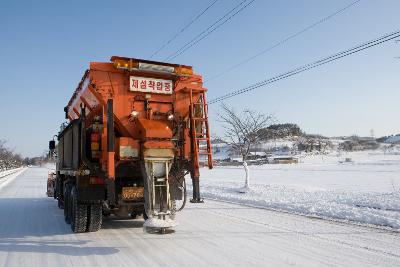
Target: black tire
60, 203
79, 212
54, 194
59, 194
54, 190
67, 203
95, 217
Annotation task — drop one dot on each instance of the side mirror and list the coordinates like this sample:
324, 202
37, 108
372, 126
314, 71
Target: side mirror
52, 145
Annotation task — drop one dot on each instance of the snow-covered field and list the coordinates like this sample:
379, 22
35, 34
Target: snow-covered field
365, 191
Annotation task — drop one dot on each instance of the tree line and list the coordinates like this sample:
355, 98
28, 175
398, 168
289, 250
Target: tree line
8, 158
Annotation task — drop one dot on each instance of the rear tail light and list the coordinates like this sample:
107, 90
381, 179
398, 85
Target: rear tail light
96, 180
95, 137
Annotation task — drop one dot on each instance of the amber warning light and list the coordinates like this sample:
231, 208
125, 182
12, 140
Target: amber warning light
133, 64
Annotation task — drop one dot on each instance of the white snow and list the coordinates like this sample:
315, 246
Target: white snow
276, 144
8, 172
158, 223
258, 153
366, 190
33, 233
7, 176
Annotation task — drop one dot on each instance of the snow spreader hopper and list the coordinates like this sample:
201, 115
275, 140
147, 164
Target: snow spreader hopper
135, 129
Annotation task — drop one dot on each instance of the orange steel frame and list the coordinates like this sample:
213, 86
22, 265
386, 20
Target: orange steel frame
103, 82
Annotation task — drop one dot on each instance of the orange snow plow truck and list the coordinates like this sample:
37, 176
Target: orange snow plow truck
135, 129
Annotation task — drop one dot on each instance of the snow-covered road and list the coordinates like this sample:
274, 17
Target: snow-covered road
33, 233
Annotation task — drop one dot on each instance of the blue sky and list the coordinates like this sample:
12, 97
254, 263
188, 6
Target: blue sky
46, 46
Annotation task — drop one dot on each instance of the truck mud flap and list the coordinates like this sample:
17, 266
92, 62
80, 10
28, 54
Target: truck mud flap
91, 194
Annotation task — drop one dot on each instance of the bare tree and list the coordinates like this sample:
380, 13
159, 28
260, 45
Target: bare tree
8, 159
242, 131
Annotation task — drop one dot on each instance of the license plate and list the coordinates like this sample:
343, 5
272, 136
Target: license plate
132, 193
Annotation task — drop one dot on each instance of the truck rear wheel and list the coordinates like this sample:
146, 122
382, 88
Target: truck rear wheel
59, 194
95, 217
67, 203
60, 203
79, 212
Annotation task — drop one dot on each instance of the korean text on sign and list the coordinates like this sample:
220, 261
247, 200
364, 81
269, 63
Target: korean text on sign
150, 85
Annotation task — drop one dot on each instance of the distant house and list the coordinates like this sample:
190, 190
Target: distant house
257, 155
236, 158
254, 158
284, 159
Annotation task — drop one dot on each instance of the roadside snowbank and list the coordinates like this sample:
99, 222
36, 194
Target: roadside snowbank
366, 191
368, 208
8, 172
7, 176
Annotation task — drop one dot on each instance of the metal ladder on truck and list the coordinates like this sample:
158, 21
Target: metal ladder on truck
200, 130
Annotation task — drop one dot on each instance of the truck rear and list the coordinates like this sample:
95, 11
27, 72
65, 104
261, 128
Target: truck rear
135, 129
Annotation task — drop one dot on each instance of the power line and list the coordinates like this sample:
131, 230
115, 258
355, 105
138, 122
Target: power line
221, 21
337, 12
184, 28
208, 30
339, 55
310, 66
